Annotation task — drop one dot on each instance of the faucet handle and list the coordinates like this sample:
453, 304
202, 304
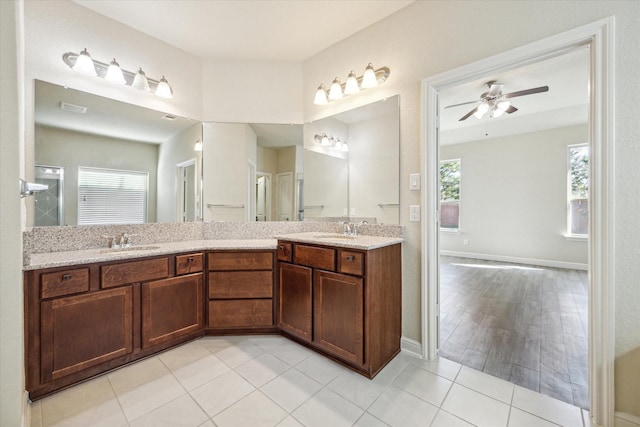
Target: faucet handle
112, 241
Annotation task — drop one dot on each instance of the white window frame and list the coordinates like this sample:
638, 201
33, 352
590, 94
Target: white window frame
451, 230
570, 198
120, 213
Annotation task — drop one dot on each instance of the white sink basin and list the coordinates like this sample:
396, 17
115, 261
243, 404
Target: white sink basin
129, 249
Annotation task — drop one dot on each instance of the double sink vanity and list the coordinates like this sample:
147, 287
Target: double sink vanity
92, 310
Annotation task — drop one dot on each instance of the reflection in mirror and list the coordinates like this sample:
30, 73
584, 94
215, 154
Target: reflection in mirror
363, 182
103, 146
251, 171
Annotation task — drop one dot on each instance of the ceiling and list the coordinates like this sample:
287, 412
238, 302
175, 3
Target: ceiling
565, 104
256, 30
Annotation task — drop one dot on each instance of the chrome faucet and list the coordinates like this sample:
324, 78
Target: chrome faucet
356, 226
346, 228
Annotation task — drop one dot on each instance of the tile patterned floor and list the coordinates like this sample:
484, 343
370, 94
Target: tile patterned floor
522, 323
271, 381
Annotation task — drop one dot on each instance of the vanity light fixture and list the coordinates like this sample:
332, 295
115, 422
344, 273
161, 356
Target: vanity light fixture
353, 84
112, 72
331, 142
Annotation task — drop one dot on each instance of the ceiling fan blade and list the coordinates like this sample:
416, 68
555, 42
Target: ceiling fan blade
469, 114
495, 89
526, 92
463, 103
511, 109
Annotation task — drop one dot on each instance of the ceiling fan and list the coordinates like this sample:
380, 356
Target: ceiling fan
495, 101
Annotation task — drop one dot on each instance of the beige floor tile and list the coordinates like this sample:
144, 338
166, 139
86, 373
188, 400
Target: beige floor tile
475, 407
399, 408
222, 392
425, 385
255, 410
146, 397
486, 384
326, 408
291, 389
200, 371
262, 369
183, 412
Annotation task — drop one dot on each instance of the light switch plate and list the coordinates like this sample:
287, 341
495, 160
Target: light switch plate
414, 181
414, 213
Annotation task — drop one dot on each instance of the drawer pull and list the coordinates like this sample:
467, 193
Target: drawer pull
350, 258
66, 277
190, 259
281, 248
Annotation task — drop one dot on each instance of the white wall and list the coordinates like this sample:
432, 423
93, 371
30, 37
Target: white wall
252, 91
428, 38
11, 216
227, 148
176, 150
373, 158
514, 196
69, 149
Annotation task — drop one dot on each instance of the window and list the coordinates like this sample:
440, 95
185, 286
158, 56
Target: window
107, 196
578, 190
450, 195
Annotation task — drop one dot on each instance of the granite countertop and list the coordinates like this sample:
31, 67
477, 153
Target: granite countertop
61, 259
362, 242
69, 258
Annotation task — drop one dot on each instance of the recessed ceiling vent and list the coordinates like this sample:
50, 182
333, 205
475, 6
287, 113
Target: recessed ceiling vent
169, 117
73, 108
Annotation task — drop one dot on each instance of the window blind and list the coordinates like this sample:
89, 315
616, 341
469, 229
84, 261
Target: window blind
108, 196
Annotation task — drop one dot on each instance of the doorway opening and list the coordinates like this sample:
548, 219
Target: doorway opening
187, 195
599, 39
263, 196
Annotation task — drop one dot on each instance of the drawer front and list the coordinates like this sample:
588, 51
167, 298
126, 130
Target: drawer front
284, 252
312, 256
190, 263
351, 262
241, 284
133, 272
240, 261
240, 313
65, 282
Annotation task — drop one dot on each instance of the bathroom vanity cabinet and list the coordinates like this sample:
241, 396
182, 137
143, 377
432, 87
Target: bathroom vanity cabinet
345, 303
88, 319
240, 289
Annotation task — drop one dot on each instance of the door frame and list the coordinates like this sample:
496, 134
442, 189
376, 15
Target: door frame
599, 36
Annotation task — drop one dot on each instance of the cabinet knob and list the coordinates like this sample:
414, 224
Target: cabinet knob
281, 248
66, 277
190, 259
350, 258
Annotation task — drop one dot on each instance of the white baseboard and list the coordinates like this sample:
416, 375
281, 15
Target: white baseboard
26, 410
626, 420
517, 260
411, 346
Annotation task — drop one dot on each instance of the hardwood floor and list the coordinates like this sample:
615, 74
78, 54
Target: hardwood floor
525, 324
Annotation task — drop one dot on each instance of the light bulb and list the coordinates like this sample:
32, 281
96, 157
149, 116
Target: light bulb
482, 108
369, 78
140, 81
114, 73
345, 147
84, 64
501, 108
338, 145
198, 146
351, 86
321, 96
325, 140
336, 90
164, 90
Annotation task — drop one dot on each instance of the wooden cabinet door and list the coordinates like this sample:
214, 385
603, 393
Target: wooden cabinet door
172, 308
294, 304
85, 330
338, 315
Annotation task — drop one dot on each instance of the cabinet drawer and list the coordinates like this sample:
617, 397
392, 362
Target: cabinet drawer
240, 313
65, 282
133, 272
312, 256
190, 263
351, 262
240, 261
241, 284
284, 252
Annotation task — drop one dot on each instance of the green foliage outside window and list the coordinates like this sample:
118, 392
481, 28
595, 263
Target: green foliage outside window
579, 167
450, 180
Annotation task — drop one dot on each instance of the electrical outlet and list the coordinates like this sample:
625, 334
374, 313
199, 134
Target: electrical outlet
414, 181
414, 213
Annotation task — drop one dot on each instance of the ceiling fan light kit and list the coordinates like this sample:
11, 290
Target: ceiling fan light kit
495, 101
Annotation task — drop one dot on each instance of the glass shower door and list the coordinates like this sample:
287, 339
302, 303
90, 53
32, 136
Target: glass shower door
49, 204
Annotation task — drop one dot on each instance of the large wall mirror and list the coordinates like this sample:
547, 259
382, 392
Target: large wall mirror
107, 161
89, 148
